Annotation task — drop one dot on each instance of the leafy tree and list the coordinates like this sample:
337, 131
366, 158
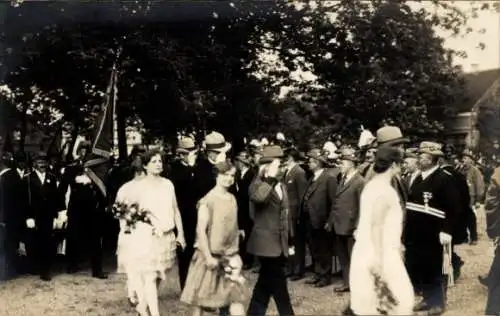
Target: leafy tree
373, 62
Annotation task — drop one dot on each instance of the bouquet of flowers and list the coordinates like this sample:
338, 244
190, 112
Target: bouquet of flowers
386, 299
131, 214
230, 268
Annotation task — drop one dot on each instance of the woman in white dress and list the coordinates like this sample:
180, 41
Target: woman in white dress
148, 251
379, 282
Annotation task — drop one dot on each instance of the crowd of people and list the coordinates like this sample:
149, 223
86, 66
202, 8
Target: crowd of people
384, 216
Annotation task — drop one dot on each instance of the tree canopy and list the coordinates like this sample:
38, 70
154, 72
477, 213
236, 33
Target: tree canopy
371, 62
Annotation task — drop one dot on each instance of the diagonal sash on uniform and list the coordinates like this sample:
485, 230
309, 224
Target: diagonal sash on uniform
425, 209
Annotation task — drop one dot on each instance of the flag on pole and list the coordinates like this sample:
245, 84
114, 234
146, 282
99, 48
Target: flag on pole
97, 161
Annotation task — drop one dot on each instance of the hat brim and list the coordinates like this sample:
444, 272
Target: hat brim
322, 159
186, 150
349, 158
437, 153
412, 155
268, 159
227, 147
394, 142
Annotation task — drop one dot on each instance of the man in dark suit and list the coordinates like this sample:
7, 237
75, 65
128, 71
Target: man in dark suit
85, 219
182, 175
43, 206
345, 214
245, 176
430, 220
459, 235
317, 203
10, 217
492, 210
271, 235
296, 185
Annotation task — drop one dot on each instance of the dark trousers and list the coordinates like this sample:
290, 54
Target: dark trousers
492, 302
184, 260
321, 247
83, 240
297, 262
472, 225
271, 283
424, 263
9, 258
344, 250
40, 250
246, 257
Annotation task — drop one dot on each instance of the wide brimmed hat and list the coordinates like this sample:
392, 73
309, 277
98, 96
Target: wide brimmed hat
186, 145
431, 148
216, 142
317, 154
270, 153
390, 136
348, 154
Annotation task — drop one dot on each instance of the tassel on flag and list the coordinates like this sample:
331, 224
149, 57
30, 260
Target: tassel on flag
97, 161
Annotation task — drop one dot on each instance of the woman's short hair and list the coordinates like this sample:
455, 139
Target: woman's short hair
148, 155
222, 167
385, 157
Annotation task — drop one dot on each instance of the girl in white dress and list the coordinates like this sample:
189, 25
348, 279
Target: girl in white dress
379, 282
148, 251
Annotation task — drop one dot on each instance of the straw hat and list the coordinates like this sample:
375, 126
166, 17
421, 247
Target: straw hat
186, 145
431, 148
216, 142
390, 136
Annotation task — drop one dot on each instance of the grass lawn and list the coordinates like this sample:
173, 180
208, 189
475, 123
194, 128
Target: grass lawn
79, 294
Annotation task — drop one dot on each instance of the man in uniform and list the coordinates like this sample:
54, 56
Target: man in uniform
463, 214
430, 220
44, 204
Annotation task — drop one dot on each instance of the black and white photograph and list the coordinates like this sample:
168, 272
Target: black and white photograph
249, 157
